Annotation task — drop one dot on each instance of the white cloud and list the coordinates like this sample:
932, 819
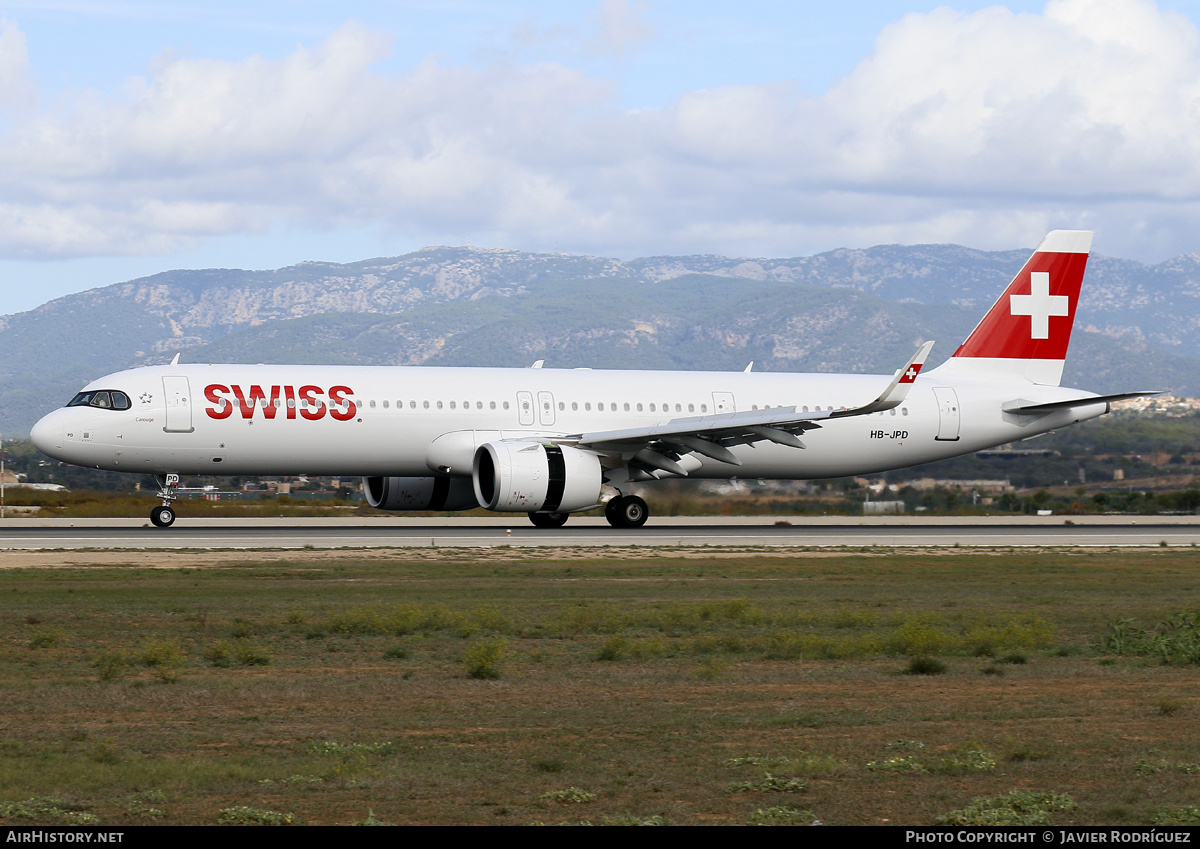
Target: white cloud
984, 128
17, 91
620, 27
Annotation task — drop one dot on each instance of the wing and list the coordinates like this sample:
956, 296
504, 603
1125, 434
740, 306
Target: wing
659, 447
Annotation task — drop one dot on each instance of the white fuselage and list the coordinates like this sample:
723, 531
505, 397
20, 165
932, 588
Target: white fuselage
349, 421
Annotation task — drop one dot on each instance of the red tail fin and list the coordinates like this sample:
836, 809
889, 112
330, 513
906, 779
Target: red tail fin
1026, 333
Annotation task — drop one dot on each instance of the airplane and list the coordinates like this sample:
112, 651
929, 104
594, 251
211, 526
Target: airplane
551, 442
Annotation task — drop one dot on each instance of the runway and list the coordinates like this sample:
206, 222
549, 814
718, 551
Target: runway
665, 532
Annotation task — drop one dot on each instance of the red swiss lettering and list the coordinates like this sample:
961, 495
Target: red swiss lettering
310, 407
222, 406
308, 399
336, 399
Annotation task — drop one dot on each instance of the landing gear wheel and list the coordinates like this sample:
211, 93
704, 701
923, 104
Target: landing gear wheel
626, 511
549, 520
162, 517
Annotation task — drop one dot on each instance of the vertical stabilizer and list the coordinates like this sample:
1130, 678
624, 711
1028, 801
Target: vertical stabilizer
1026, 333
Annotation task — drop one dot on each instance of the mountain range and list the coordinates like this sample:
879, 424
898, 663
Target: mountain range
843, 310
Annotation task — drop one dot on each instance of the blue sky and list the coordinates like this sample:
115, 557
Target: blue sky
138, 137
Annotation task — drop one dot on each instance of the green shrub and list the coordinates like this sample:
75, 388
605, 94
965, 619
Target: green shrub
111, 664
1020, 807
483, 659
572, 795
164, 656
781, 815
925, 666
1186, 815
246, 815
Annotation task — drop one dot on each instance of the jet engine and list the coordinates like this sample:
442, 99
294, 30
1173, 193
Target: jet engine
529, 477
440, 492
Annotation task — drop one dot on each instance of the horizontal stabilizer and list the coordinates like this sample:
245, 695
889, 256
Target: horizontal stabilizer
1028, 408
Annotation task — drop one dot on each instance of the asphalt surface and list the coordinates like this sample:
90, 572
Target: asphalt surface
665, 532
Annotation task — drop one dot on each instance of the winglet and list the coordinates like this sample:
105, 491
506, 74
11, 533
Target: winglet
175, 360
897, 390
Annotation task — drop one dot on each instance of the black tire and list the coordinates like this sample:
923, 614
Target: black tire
162, 517
610, 510
629, 512
549, 520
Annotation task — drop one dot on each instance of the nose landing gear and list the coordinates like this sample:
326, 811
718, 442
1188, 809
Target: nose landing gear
164, 515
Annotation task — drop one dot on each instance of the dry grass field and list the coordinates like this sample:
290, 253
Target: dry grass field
518, 687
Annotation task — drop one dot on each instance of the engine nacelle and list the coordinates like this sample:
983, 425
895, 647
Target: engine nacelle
529, 477
437, 492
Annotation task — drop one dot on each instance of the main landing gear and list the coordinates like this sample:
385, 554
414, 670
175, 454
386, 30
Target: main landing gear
549, 520
621, 511
164, 515
626, 511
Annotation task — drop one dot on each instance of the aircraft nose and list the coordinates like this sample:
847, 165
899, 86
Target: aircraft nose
47, 434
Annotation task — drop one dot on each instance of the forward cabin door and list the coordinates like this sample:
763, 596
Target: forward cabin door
179, 404
948, 419
525, 414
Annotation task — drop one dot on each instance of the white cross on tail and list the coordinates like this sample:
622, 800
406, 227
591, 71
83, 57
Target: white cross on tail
1039, 305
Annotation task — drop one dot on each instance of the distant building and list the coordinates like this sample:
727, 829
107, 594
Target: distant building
883, 508
1167, 404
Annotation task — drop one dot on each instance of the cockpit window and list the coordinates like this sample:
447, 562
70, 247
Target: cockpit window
105, 399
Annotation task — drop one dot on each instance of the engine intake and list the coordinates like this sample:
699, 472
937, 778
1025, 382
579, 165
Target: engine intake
529, 477
437, 492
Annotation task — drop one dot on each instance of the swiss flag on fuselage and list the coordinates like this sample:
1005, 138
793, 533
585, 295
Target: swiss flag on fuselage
1034, 316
